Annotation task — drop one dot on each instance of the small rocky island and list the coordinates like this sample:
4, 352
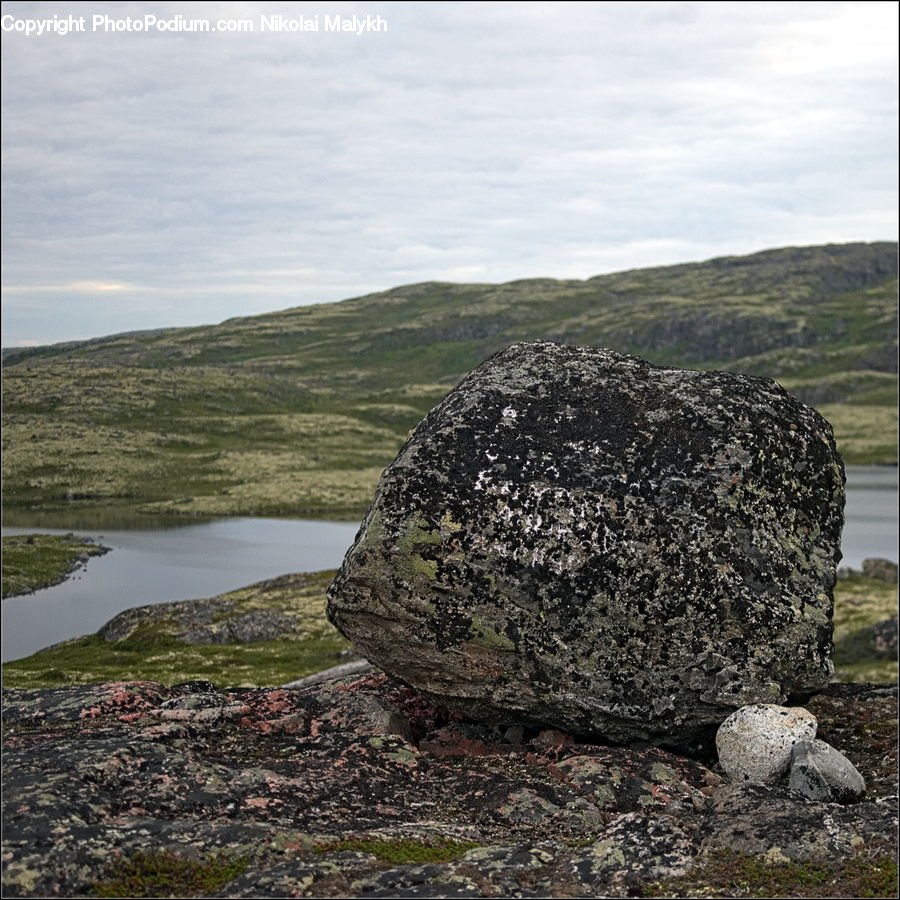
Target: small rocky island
598, 594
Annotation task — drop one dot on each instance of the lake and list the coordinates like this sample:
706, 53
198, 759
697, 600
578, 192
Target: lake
182, 560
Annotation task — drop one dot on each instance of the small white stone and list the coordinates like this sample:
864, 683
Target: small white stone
754, 743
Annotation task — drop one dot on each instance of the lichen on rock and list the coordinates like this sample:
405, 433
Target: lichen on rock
361, 788
580, 539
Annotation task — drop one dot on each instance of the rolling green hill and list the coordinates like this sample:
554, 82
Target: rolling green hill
297, 412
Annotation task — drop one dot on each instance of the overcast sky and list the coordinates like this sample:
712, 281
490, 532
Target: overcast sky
159, 178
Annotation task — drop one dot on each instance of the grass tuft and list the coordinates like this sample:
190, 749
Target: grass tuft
398, 852
729, 874
165, 874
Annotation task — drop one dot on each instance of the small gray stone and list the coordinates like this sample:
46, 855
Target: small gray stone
820, 772
754, 743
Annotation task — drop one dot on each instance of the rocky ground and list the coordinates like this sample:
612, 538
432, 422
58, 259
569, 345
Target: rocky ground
360, 788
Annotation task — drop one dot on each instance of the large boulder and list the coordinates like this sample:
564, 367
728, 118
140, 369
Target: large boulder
882, 569
581, 539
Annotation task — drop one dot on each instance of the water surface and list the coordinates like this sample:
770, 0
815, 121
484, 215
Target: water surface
162, 564
870, 515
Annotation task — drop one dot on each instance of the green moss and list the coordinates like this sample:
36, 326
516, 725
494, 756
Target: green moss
165, 874
34, 561
397, 852
487, 635
729, 874
859, 603
91, 659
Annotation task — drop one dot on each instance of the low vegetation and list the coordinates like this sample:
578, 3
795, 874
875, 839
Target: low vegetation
35, 561
399, 851
150, 648
866, 435
728, 874
861, 604
297, 412
164, 873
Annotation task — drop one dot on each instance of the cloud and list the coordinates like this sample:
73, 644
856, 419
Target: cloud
223, 174
79, 287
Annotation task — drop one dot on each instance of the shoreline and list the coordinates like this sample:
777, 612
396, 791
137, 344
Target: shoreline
68, 554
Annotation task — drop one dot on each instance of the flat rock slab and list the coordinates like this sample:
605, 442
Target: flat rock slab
579, 539
310, 788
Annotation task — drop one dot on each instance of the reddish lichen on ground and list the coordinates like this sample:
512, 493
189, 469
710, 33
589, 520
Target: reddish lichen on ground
364, 788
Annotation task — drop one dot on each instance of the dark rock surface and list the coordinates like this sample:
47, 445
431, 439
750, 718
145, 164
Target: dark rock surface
580, 539
883, 569
311, 788
224, 619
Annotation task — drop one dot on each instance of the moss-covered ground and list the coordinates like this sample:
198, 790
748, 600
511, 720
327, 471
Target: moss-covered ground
166, 874
297, 412
34, 561
872, 873
399, 851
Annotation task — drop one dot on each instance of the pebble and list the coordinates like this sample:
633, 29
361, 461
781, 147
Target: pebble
819, 772
755, 742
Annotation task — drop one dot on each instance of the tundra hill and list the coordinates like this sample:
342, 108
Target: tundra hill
297, 412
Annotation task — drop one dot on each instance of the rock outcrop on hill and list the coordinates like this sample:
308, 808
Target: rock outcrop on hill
883, 569
579, 539
362, 788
